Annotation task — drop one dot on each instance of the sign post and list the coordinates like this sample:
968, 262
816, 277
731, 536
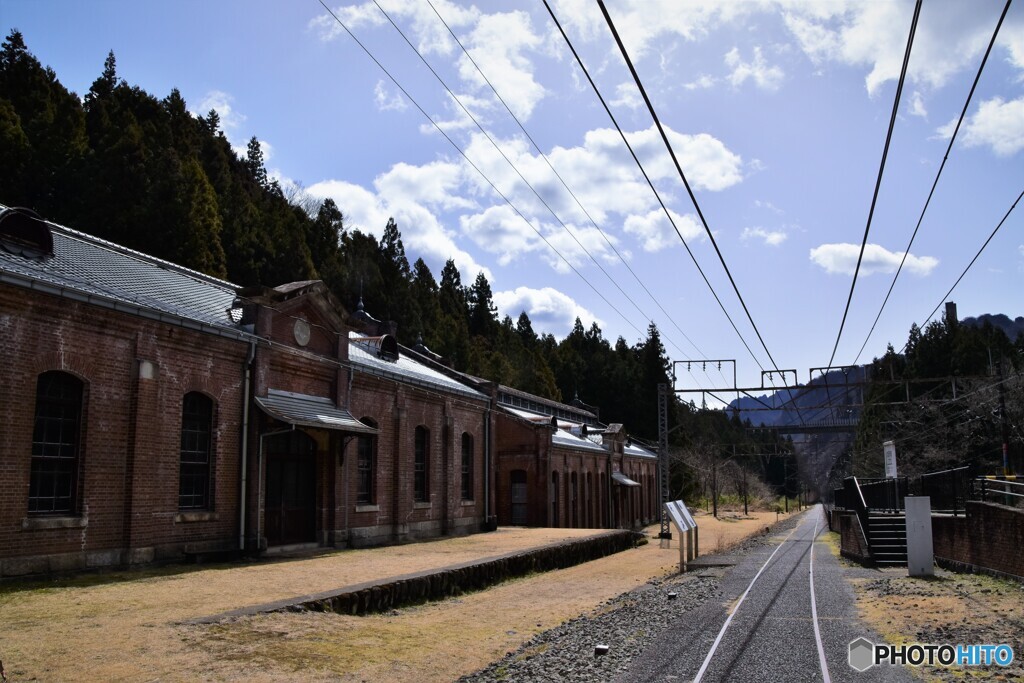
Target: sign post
889, 449
680, 516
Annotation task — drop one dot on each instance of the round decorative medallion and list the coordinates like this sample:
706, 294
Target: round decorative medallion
301, 332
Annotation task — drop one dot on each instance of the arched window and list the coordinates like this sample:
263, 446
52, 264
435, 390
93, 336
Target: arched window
467, 466
53, 480
366, 466
421, 465
194, 475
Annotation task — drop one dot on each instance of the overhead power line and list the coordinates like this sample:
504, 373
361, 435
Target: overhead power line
650, 183
983, 246
686, 184
562, 180
510, 162
952, 139
474, 166
881, 170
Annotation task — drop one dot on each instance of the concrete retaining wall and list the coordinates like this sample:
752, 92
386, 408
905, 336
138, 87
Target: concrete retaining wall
437, 584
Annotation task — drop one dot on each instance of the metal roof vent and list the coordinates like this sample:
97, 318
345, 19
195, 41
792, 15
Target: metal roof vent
384, 347
24, 232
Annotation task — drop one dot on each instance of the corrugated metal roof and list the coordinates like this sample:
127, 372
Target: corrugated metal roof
639, 451
91, 266
567, 440
310, 411
405, 369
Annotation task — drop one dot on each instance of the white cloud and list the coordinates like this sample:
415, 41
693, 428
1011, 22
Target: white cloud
764, 76
950, 36
501, 231
702, 83
917, 107
996, 124
707, 162
435, 184
220, 102
842, 259
388, 101
422, 232
655, 232
626, 95
352, 16
500, 44
550, 310
768, 205
772, 238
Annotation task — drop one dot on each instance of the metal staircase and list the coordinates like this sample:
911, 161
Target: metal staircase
887, 536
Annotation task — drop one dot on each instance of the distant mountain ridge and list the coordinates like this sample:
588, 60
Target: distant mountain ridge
1013, 328
779, 409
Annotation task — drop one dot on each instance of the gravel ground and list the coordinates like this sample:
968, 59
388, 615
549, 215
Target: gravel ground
626, 624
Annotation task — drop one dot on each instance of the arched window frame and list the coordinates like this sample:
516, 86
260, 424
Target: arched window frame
195, 454
467, 466
421, 465
366, 466
56, 444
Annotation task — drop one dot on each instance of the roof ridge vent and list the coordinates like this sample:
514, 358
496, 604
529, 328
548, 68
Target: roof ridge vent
24, 232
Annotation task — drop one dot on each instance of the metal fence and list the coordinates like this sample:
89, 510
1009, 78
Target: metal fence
949, 491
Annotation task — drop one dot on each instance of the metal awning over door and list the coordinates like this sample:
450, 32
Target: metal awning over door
304, 410
621, 478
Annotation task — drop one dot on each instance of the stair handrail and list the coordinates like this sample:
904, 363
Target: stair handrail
863, 515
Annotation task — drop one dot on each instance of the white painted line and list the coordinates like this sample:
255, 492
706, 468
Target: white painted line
814, 614
718, 640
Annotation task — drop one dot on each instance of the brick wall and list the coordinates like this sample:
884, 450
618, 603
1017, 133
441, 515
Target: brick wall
127, 502
591, 503
851, 537
397, 410
990, 537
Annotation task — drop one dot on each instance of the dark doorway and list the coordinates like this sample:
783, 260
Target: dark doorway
290, 511
519, 500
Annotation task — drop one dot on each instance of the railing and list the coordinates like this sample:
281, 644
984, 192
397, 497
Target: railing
885, 494
949, 490
999, 490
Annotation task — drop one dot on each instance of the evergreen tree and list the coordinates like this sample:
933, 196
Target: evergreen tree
254, 163
483, 314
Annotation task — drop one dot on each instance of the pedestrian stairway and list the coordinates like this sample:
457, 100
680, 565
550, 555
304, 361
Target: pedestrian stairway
888, 538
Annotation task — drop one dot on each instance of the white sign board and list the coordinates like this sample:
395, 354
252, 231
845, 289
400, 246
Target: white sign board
889, 449
681, 516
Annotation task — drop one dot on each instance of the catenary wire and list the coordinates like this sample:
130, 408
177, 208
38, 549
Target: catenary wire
952, 139
562, 180
475, 167
513, 166
983, 246
650, 183
689, 190
881, 170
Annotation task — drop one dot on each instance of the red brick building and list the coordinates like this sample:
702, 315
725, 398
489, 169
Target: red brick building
558, 466
152, 413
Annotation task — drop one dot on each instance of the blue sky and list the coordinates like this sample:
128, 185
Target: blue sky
777, 109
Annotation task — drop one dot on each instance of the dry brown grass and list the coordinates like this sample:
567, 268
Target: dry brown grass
126, 626
948, 608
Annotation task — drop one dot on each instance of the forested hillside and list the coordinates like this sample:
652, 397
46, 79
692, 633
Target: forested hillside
950, 398
125, 165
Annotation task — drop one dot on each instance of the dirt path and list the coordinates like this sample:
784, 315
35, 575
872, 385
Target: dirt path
126, 626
